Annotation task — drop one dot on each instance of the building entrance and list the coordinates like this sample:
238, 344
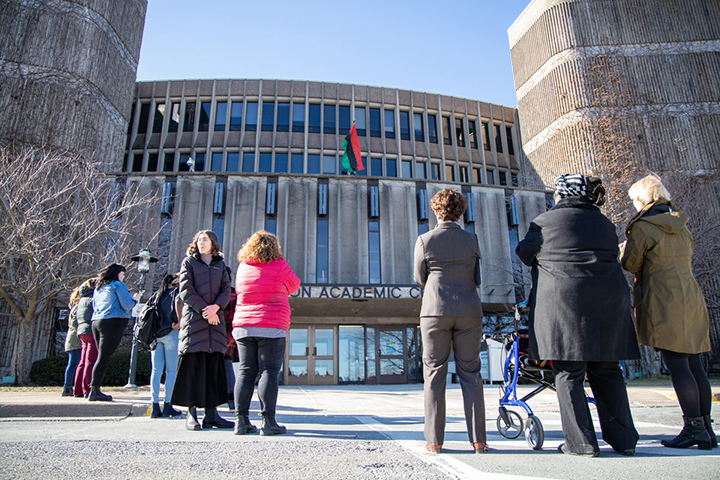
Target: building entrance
392, 355
311, 357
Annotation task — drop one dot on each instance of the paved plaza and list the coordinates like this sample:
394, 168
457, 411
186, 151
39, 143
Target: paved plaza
334, 432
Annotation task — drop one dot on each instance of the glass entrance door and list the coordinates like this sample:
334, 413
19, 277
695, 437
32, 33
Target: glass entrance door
391, 355
311, 356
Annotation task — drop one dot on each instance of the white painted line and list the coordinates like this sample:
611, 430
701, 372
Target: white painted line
445, 463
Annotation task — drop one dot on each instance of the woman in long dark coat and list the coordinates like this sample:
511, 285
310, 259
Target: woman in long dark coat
205, 292
580, 314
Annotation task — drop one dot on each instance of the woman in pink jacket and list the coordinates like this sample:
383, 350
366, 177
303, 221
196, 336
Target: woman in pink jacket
262, 319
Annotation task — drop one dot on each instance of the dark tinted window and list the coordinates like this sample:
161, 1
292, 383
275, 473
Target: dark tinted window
248, 162
281, 162
514, 180
503, 178
486, 135
391, 168
329, 166
405, 125
183, 164
283, 117
329, 120
374, 122
251, 117
498, 139
174, 121
432, 128
313, 164
220, 116
459, 132
169, 163
205, 108
137, 163
376, 167
490, 174
159, 116
407, 169
236, 116
216, 163
322, 250
464, 175
345, 121
360, 121
508, 134
199, 162
472, 133
374, 250
144, 116
265, 163
419, 128
152, 162
233, 161
268, 116
189, 120
296, 163
314, 118
447, 131
298, 117
389, 124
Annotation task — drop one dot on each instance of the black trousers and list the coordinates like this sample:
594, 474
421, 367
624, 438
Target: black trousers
690, 382
608, 387
264, 356
107, 332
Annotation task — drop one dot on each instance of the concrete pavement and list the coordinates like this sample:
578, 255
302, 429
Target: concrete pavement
334, 432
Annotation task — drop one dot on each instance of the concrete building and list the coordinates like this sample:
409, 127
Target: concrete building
625, 88
237, 156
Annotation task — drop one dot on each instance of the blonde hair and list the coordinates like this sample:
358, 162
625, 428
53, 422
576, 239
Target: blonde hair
75, 295
648, 190
262, 247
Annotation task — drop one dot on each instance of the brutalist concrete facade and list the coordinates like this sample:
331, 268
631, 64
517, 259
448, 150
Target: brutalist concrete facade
629, 82
266, 155
67, 70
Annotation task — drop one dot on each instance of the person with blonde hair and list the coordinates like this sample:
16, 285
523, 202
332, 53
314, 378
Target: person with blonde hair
671, 314
73, 345
204, 292
264, 281
447, 266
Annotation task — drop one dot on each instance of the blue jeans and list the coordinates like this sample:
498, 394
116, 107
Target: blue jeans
264, 356
73, 362
165, 356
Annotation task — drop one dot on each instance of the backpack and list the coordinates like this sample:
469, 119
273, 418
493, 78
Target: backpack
146, 327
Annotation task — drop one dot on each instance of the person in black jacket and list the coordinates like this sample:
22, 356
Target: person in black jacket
165, 354
580, 314
205, 292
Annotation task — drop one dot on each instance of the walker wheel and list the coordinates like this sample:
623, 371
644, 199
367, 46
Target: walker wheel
513, 427
534, 433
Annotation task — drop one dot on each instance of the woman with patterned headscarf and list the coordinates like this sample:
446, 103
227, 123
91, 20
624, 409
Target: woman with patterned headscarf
580, 314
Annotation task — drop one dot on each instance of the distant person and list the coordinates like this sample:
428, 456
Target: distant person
231, 355
89, 354
112, 308
580, 314
204, 292
73, 345
671, 312
447, 265
165, 354
262, 318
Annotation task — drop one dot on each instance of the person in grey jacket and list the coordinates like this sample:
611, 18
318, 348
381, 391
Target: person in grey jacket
447, 265
112, 308
89, 353
204, 292
580, 314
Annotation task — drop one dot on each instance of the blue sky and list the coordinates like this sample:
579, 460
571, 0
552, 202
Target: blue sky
451, 47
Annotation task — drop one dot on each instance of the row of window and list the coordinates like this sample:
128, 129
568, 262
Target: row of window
284, 116
266, 162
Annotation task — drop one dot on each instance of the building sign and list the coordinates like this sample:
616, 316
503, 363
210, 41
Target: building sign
358, 292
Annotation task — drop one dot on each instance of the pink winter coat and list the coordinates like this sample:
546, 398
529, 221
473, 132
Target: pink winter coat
262, 294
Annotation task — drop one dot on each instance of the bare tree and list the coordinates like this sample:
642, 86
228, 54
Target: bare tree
60, 219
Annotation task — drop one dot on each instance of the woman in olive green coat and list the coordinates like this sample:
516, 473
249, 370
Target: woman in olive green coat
670, 309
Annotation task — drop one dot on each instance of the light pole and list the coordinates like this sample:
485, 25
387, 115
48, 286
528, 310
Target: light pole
143, 259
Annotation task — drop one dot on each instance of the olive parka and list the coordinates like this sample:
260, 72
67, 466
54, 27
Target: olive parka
202, 285
670, 309
580, 302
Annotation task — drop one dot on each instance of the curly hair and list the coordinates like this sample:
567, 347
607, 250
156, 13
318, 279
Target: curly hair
192, 248
262, 247
448, 205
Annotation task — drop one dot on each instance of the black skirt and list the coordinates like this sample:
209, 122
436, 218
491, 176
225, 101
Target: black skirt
201, 380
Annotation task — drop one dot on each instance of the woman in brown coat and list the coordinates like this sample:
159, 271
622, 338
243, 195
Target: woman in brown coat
669, 305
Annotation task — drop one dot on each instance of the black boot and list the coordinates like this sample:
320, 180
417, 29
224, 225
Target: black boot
270, 426
67, 392
156, 412
212, 419
708, 426
192, 421
97, 396
693, 433
243, 425
169, 411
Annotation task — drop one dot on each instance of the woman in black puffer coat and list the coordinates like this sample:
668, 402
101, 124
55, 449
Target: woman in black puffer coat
204, 292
